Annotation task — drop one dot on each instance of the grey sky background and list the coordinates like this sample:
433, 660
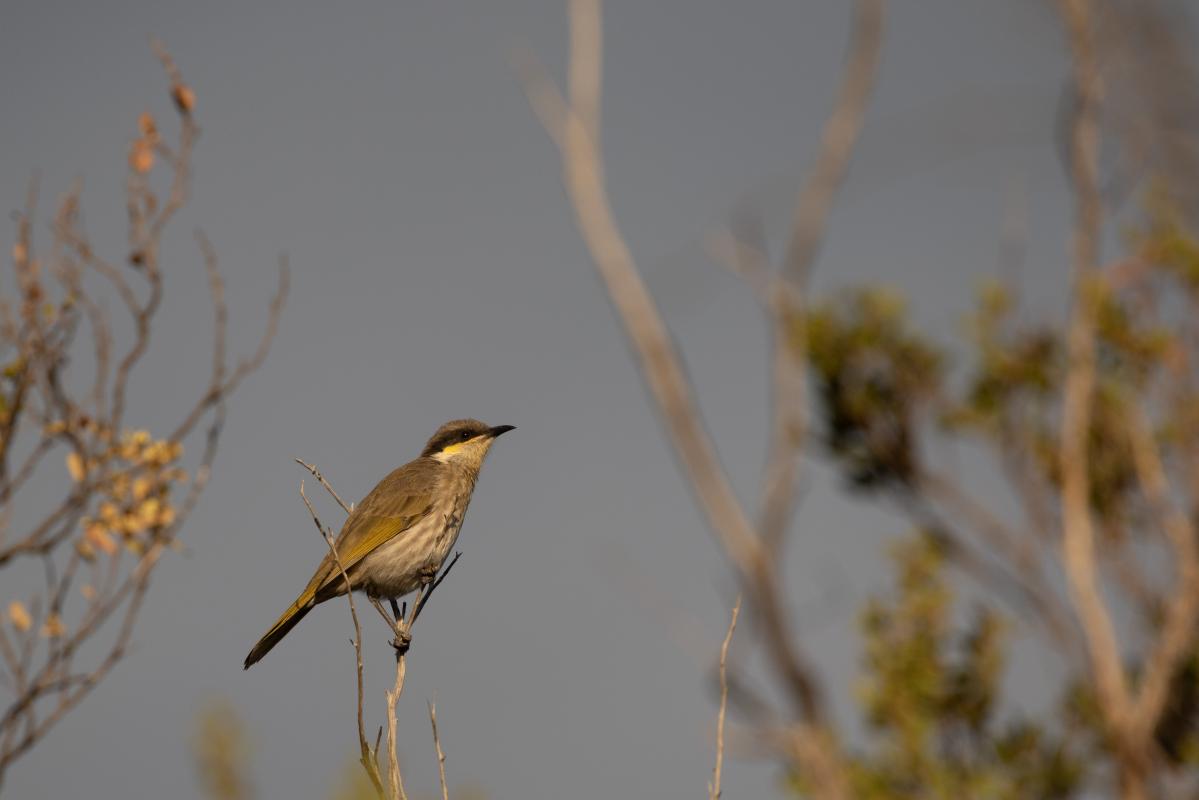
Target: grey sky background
388, 148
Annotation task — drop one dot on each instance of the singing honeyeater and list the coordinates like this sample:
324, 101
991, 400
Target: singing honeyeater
397, 538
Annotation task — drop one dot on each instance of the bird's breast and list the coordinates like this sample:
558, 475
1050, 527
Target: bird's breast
400, 565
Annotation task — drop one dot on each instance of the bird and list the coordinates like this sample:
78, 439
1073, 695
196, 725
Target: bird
396, 539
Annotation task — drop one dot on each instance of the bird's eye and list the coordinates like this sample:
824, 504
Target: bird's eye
464, 436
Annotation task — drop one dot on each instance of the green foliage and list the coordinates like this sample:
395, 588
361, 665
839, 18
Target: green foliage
1167, 241
873, 375
354, 784
930, 694
222, 753
1016, 372
931, 690
1177, 732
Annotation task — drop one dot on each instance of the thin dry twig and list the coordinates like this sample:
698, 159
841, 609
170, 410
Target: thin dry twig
321, 479
367, 756
445, 791
403, 631
395, 780
1019, 549
401, 625
714, 787
80, 538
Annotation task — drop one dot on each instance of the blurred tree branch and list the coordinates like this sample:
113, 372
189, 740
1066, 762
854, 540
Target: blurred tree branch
573, 123
1090, 424
129, 493
1078, 537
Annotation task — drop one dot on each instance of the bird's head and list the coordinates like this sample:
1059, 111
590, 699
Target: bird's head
464, 442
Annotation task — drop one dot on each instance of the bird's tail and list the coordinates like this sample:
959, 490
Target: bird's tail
289, 620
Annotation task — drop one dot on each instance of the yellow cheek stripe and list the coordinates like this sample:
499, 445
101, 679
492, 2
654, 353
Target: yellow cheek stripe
458, 447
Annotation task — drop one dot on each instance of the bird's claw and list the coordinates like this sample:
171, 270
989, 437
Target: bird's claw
402, 642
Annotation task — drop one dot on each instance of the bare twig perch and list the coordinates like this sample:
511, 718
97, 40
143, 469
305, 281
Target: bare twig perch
403, 638
368, 757
401, 626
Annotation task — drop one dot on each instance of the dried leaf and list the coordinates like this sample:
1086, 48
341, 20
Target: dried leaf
147, 127
99, 536
85, 550
184, 97
75, 466
19, 616
141, 156
53, 627
149, 511
130, 523
141, 487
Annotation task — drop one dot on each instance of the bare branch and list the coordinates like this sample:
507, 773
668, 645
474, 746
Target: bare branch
1182, 610
714, 786
1016, 549
1078, 533
661, 366
1078, 540
220, 311
545, 100
328, 488
123, 494
395, 780
217, 389
445, 791
367, 757
744, 256
787, 311
659, 360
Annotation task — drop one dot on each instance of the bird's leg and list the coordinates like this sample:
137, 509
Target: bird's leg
396, 620
391, 622
420, 602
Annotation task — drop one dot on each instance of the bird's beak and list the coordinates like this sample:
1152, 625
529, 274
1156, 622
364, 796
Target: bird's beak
500, 430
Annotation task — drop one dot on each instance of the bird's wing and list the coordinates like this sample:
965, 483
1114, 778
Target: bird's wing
400, 500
